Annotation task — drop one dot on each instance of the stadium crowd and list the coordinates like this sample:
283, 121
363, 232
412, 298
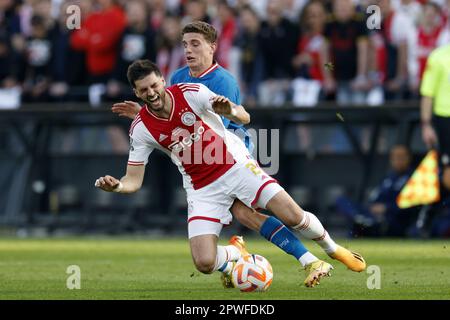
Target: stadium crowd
281, 51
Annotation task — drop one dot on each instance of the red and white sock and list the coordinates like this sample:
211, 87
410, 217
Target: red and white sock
226, 254
311, 228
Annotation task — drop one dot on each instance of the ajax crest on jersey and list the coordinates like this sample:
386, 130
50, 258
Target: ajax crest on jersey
252, 273
188, 118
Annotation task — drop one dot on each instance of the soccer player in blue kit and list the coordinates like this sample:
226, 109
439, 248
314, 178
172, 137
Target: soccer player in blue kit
199, 41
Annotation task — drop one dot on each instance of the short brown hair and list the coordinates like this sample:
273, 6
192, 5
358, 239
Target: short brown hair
139, 69
203, 28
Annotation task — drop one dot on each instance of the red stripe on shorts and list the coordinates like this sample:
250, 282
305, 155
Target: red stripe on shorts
258, 194
206, 218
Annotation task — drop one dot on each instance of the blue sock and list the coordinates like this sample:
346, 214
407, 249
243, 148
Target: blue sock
277, 233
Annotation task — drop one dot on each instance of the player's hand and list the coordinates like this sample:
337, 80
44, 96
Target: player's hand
107, 183
429, 136
127, 109
222, 105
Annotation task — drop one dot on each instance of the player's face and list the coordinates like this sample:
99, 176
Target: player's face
151, 90
198, 52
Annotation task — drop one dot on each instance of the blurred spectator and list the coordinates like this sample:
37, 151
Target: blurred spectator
225, 24
137, 42
412, 8
9, 28
157, 12
8, 78
430, 27
170, 52
98, 37
394, 52
250, 60
259, 7
9, 17
11, 31
278, 40
312, 56
43, 8
381, 216
444, 37
293, 8
195, 10
38, 62
348, 44
68, 66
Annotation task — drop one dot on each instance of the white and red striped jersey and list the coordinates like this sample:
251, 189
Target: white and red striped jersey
193, 136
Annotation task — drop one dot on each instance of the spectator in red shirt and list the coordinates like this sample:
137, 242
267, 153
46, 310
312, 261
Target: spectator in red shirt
347, 39
431, 26
226, 26
170, 52
393, 62
98, 37
311, 54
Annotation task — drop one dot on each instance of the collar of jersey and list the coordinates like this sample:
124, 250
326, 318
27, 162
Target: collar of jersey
213, 67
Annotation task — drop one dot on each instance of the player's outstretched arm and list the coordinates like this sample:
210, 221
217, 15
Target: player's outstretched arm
127, 109
130, 183
223, 106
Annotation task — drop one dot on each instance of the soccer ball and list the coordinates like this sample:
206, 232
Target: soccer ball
252, 273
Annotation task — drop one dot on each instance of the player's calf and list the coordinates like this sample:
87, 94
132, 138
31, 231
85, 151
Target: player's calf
285, 208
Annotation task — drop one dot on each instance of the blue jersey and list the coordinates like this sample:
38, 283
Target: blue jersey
221, 82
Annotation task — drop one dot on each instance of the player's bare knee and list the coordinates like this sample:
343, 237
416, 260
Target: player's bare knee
205, 264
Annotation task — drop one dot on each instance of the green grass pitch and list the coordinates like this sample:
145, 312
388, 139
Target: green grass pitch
131, 268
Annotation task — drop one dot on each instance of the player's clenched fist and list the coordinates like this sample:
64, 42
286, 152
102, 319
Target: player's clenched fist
108, 183
222, 105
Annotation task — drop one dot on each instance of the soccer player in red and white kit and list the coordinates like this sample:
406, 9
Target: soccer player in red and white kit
183, 121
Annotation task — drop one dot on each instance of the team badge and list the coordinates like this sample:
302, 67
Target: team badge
188, 118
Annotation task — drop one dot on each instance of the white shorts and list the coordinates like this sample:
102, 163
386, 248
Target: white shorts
210, 206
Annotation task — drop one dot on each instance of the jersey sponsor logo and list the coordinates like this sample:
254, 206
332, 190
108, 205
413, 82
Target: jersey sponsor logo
180, 145
188, 118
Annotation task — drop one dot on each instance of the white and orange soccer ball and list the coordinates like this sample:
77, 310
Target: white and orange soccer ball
252, 273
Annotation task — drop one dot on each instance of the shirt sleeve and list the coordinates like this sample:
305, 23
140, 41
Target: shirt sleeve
430, 78
204, 96
140, 149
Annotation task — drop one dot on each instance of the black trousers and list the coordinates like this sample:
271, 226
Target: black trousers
442, 127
